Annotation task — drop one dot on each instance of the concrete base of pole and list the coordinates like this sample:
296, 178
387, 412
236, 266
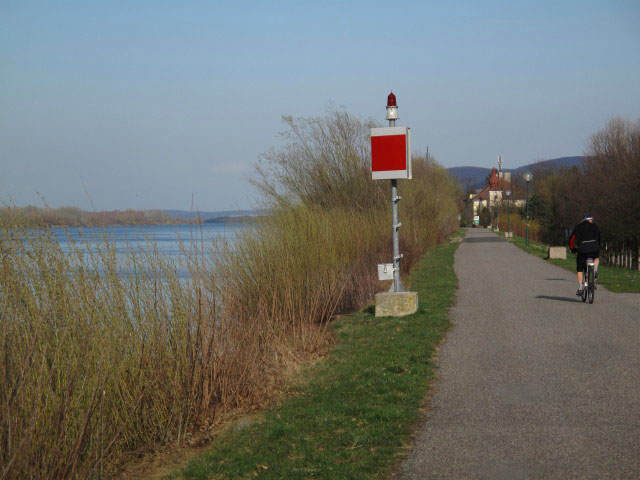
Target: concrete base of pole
396, 304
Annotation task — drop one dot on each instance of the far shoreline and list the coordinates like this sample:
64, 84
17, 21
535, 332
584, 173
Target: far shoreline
72, 217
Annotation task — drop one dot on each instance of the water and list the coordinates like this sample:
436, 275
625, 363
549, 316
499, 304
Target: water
142, 237
166, 237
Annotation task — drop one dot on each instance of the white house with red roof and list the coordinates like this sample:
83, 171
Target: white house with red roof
492, 194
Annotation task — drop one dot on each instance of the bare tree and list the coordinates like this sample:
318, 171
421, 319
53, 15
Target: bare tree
324, 162
612, 178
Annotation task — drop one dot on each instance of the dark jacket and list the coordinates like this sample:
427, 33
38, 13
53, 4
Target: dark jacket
585, 238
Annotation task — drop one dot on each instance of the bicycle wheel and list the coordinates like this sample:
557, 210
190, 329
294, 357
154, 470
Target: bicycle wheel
584, 287
592, 286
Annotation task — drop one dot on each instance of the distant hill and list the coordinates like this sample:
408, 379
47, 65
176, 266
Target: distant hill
189, 215
474, 177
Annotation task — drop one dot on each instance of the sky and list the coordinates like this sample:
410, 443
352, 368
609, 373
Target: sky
167, 104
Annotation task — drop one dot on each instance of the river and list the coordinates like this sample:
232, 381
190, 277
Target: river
166, 238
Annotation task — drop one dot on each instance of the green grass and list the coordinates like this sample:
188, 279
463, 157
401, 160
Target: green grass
619, 280
355, 410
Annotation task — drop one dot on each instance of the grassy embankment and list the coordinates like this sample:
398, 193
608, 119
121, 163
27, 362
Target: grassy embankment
101, 368
620, 280
350, 415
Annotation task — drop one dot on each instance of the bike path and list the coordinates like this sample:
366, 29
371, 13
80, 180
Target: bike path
533, 383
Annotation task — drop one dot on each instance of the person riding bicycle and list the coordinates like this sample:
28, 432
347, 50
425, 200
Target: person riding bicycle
585, 240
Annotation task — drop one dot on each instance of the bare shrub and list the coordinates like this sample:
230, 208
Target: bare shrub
324, 162
518, 226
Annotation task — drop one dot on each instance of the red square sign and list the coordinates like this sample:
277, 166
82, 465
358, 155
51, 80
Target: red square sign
390, 153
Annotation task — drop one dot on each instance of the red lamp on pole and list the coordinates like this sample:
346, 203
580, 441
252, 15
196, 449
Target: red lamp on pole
392, 108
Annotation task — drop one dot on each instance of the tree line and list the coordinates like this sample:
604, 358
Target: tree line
607, 187
31, 216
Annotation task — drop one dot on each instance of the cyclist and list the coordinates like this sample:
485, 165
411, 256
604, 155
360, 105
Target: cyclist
585, 240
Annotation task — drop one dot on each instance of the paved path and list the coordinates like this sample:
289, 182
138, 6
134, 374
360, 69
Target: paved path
533, 383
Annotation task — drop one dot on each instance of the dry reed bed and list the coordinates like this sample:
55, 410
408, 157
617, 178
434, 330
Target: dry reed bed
518, 226
98, 368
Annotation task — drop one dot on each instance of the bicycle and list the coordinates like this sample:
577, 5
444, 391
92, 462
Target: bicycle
589, 281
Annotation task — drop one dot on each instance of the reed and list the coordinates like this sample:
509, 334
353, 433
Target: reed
99, 368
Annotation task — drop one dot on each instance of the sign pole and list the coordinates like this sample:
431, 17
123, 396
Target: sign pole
391, 160
397, 283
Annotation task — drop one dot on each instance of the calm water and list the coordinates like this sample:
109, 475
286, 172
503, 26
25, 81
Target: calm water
141, 237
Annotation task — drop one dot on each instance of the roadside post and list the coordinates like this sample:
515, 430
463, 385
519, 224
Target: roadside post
500, 183
527, 177
508, 194
391, 160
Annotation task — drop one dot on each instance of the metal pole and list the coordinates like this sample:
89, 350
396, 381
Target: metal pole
508, 216
500, 185
397, 284
527, 214
491, 212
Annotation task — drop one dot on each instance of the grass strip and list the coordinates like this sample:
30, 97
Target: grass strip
615, 279
355, 410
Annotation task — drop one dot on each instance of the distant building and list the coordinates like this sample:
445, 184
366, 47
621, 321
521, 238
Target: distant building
492, 194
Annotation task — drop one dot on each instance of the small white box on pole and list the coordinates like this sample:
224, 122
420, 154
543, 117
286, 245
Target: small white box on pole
385, 271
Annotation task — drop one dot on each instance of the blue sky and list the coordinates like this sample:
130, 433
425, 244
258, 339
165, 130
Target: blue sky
148, 104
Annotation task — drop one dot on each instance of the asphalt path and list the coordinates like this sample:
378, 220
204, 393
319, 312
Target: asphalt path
532, 383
